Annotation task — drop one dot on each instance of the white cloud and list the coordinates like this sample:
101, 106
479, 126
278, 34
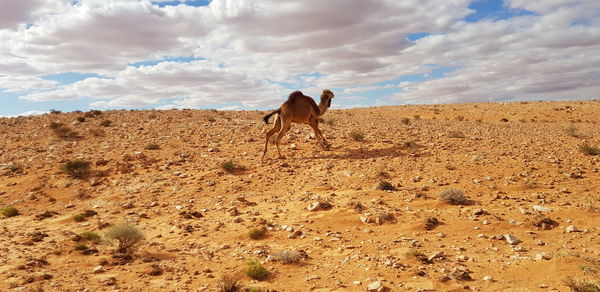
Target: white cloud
250, 46
16, 84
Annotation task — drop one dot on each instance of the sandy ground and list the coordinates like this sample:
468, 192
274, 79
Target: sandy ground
505, 157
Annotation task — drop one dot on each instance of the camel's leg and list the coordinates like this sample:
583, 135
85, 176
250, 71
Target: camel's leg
270, 133
285, 127
318, 134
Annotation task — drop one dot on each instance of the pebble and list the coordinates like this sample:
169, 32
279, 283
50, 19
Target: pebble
511, 239
571, 228
375, 286
98, 269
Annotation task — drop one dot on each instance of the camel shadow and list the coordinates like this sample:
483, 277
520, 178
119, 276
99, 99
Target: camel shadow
361, 153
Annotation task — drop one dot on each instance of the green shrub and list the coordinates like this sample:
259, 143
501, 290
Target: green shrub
81, 247
79, 218
127, 236
386, 186
454, 197
91, 236
228, 166
255, 270
588, 150
10, 212
257, 233
77, 168
357, 136
152, 146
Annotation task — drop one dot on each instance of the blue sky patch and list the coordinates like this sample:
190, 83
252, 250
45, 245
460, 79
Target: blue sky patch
493, 10
183, 59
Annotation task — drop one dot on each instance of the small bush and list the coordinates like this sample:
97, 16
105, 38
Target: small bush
63, 131
88, 115
79, 218
228, 166
385, 217
55, 111
91, 236
405, 121
454, 197
589, 150
152, 146
228, 283
287, 257
580, 285
97, 132
54, 125
96, 112
127, 236
573, 132
81, 247
10, 212
106, 123
255, 270
386, 186
257, 233
81, 119
77, 168
357, 136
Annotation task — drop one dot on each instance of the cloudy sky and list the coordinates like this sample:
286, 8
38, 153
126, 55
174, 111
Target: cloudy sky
249, 54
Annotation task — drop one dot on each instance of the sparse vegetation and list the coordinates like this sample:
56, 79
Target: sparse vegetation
229, 166
55, 111
81, 119
385, 216
287, 257
386, 186
127, 236
152, 146
405, 121
228, 283
454, 197
106, 123
79, 169
81, 247
588, 150
580, 285
91, 236
79, 218
10, 212
97, 132
255, 270
62, 131
573, 132
257, 233
357, 136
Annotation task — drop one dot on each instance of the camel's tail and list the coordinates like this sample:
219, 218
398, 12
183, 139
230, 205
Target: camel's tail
266, 118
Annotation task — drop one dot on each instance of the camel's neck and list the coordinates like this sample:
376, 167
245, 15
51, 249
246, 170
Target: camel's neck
323, 106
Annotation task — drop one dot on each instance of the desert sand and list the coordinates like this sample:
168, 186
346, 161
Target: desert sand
519, 165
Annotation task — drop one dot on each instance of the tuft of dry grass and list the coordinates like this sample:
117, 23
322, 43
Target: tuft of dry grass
257, 233
77, 168
127, 236
255, 270
588, 150
580, 285
386, 186
229, 283
454, 197
287, 257
357, 136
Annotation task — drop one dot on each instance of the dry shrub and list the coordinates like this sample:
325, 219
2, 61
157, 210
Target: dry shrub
77, 168
454, 197
127, 236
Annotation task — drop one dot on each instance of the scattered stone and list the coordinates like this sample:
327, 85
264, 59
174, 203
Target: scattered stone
312, 277
543, 256
98, 269
541, 208
319, 206
571, 228
511, 239
487, 278
375, 286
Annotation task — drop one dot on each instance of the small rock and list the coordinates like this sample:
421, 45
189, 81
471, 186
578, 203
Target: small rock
98, 269
318, 206
312, 277
571, 228
511, 239
487, 278
375, 286
543, 256
541, 208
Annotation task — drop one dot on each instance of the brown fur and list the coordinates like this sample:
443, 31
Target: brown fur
302, 109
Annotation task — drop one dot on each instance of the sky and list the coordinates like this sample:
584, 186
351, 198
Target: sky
250, 54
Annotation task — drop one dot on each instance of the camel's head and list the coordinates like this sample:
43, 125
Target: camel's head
326, 97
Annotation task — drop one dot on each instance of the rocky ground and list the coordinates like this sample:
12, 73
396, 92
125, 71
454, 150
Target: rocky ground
530, 220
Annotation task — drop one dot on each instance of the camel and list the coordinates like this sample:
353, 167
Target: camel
301, 109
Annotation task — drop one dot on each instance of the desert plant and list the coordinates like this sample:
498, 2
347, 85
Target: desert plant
257, 233
357, 136
453, 197
228, 166
79, 218
97, 132
152, 146
77, 168
580, 285
81, 247
127, 236
573, 132
287, 257
96, 112
55, 111
81, 119
588, 150
54, 125
91, 236
385, 216
106, 123
386, 186
405, 121
10, 212
228, 283
255, 270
